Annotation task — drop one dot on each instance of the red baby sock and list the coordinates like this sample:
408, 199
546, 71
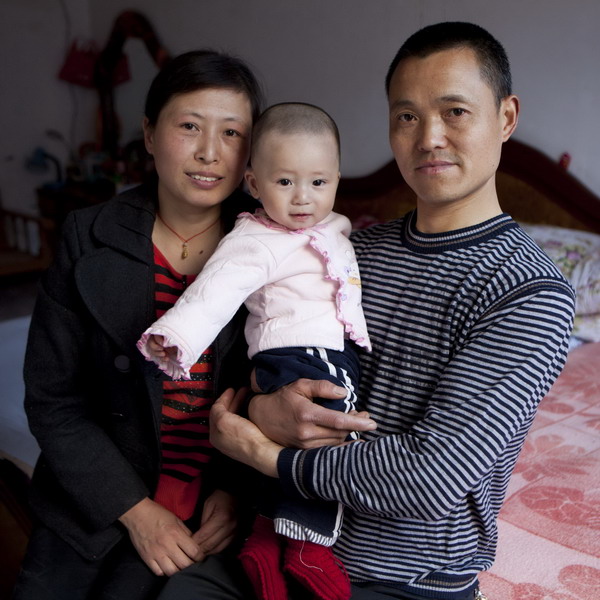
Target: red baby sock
317, 569
261, 559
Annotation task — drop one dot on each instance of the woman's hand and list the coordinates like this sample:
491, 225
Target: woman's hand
161, 539
291, 418
238, 437
218, 524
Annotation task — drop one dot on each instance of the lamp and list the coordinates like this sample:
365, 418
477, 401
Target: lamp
38, 161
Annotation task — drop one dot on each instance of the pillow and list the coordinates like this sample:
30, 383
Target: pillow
587, 328
577, 255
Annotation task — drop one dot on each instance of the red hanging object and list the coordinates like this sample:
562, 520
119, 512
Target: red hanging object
80, 65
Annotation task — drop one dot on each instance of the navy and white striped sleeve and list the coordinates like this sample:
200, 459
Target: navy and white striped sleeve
477, 418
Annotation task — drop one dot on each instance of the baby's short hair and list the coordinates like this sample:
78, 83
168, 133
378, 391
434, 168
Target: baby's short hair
293, 117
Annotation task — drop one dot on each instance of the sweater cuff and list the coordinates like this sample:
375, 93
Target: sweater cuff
295, 468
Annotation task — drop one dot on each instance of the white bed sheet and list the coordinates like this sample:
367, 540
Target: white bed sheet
16, 441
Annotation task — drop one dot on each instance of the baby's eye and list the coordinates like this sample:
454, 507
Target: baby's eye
319, 182
284, 182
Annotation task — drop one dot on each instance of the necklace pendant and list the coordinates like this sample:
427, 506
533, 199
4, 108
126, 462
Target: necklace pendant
184, 251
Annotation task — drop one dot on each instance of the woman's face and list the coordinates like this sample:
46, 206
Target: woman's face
200, 145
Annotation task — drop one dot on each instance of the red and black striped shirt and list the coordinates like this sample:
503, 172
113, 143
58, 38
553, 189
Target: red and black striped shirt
186, 449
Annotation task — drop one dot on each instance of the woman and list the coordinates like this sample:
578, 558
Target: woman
117, 508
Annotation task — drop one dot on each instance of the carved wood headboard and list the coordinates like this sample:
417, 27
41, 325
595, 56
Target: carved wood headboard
531, 187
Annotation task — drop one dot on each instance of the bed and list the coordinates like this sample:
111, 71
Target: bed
549, 527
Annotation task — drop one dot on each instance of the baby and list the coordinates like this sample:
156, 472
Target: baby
293, 266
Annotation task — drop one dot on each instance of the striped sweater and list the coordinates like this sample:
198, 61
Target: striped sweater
470, 329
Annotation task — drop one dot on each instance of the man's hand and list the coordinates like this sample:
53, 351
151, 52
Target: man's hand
218, 525
290, 417
161, 539
239, 438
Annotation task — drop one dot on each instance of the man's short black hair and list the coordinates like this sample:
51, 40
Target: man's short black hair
495, 67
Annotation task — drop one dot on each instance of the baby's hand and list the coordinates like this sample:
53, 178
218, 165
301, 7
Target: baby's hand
158, 351
156, 346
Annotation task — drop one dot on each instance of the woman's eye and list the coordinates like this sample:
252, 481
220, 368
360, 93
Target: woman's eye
189, 126
284, 182
231, 133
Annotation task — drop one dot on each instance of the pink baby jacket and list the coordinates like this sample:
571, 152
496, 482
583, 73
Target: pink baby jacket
301, 288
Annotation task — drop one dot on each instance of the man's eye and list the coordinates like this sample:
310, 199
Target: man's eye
457, 112
406, 118
284, 182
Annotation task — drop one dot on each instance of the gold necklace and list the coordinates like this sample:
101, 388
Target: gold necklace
184, 242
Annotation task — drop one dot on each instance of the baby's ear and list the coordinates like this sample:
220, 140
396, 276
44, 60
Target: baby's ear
252, 183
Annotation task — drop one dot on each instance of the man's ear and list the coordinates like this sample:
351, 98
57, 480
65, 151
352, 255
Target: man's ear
509, 111
252, 184
148, 135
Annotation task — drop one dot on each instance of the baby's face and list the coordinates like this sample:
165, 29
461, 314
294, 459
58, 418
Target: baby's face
295, 176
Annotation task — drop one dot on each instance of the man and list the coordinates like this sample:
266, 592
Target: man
470, 324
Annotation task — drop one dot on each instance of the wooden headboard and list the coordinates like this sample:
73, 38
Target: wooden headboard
532, 189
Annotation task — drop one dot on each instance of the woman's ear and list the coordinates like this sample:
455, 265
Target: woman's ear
148, 135
252, 183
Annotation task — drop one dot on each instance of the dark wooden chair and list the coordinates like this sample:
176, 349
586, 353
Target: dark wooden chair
15, 523
25, 243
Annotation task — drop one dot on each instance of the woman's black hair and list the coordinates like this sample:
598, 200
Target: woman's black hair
201, 69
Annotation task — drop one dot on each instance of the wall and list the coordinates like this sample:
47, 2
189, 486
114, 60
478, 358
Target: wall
34, 36
330, 52
336, 52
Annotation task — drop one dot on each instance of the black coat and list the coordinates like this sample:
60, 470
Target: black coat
93, 402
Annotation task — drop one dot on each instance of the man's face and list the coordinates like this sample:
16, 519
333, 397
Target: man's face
446, 129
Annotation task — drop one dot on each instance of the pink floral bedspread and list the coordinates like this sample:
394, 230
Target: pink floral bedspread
549, 540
